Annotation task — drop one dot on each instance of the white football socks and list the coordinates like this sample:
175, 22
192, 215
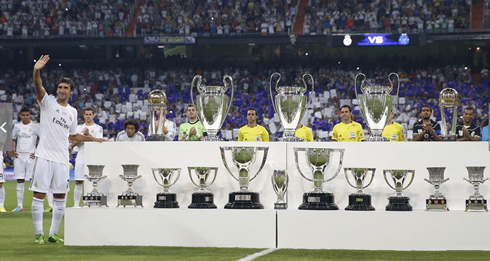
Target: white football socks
37, 210
2, 196
50, 198
20, 195
77, 194
58, 212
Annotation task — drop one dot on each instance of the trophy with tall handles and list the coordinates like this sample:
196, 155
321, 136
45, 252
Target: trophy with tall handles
166, 177
130, 197
212, 105
476, 201
375, 105
280, 181
157, 104
94, 197
202, 198
398, 202
318, 159
436, 200
243, 158
290, 105
359, 200
449, 98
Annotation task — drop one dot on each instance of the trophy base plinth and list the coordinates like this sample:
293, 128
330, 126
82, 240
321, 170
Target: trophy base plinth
449, 138
132, 200
476, 204
202, 200
244, 200
360, 202
399, 204
156, 137
280, 205
291, 139
377, 138
98, 201
318, 201
167, 200
436, 204
212, 138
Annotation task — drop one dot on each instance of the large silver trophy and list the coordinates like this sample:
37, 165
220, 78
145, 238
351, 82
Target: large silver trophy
203, 198
290, 105
157, 105
130, 197
398, 202
319, 160
212, 105
448, 98
94, 197
476, 201
359, 200
243, 158
436, 200
375, 105
166, 177
280, 181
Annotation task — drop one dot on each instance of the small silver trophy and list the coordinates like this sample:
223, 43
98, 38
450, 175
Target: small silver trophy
157, 104
318, 159
476, 201
359, 200
243, 158
166, 177
436, 200
448, 98
212, 105
375, 105
95, 198
130, 197
290, 105
398, 202
280, 181
202, 198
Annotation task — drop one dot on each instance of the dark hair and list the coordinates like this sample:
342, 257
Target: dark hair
190, 105
66, 80
24, 109
346, 106
253, 109
469, 108
427, 106
89, 109
133, 122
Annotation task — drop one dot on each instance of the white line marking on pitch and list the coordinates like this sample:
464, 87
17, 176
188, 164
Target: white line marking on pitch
258, 254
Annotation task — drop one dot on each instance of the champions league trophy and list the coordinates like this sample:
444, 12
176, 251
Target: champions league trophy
157, 104
375, 105
280, 181
476, 201
202, 198
164, 177
95, 198
290, 105
244, 158
448, 98
318, 160
398, 202
130, 197
436, 200
359, 200
212, 105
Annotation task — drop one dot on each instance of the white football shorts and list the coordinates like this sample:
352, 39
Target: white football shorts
23, 166
50, 174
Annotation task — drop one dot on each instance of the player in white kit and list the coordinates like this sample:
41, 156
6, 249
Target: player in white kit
2, 189
24, 137
89, 128
51, 167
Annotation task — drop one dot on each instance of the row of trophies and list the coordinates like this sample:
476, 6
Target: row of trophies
318, 160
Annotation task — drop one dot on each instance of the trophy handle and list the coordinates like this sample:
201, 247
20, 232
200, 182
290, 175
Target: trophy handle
156, 179
384, 174
362, 89
443, 121
223, 90
312, 87
297, 164
413, 175
445, 180
347, 176
277, 90
197, 78
178, 175
397, 81
431, 182
215, 174
190, 175
340, 163
372, 177
264, 158
222, 149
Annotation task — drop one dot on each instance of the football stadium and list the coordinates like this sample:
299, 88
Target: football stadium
244, 129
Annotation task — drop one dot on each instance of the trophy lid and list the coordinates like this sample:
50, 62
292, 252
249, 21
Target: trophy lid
157, 97
448, 97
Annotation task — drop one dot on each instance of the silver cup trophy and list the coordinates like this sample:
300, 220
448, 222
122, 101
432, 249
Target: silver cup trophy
212, 105
476, 201
243, 158
436, 200
318, 160
448, 98
94, 197
375, 105
166, 177
130, 197
203, 198
398, 202
290, 105
280, 181
157, 104
359, 200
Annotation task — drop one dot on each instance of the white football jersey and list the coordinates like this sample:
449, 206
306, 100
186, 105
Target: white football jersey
95, 131
26, 136
123, 136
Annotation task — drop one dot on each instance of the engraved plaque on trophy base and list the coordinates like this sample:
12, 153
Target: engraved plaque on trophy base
280, 205
133, 200
166, 200
202, 200
244, 200
450, 138
360, 202
95, 201
476, 204
436, 203
399, 204
156, 137
318, 201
